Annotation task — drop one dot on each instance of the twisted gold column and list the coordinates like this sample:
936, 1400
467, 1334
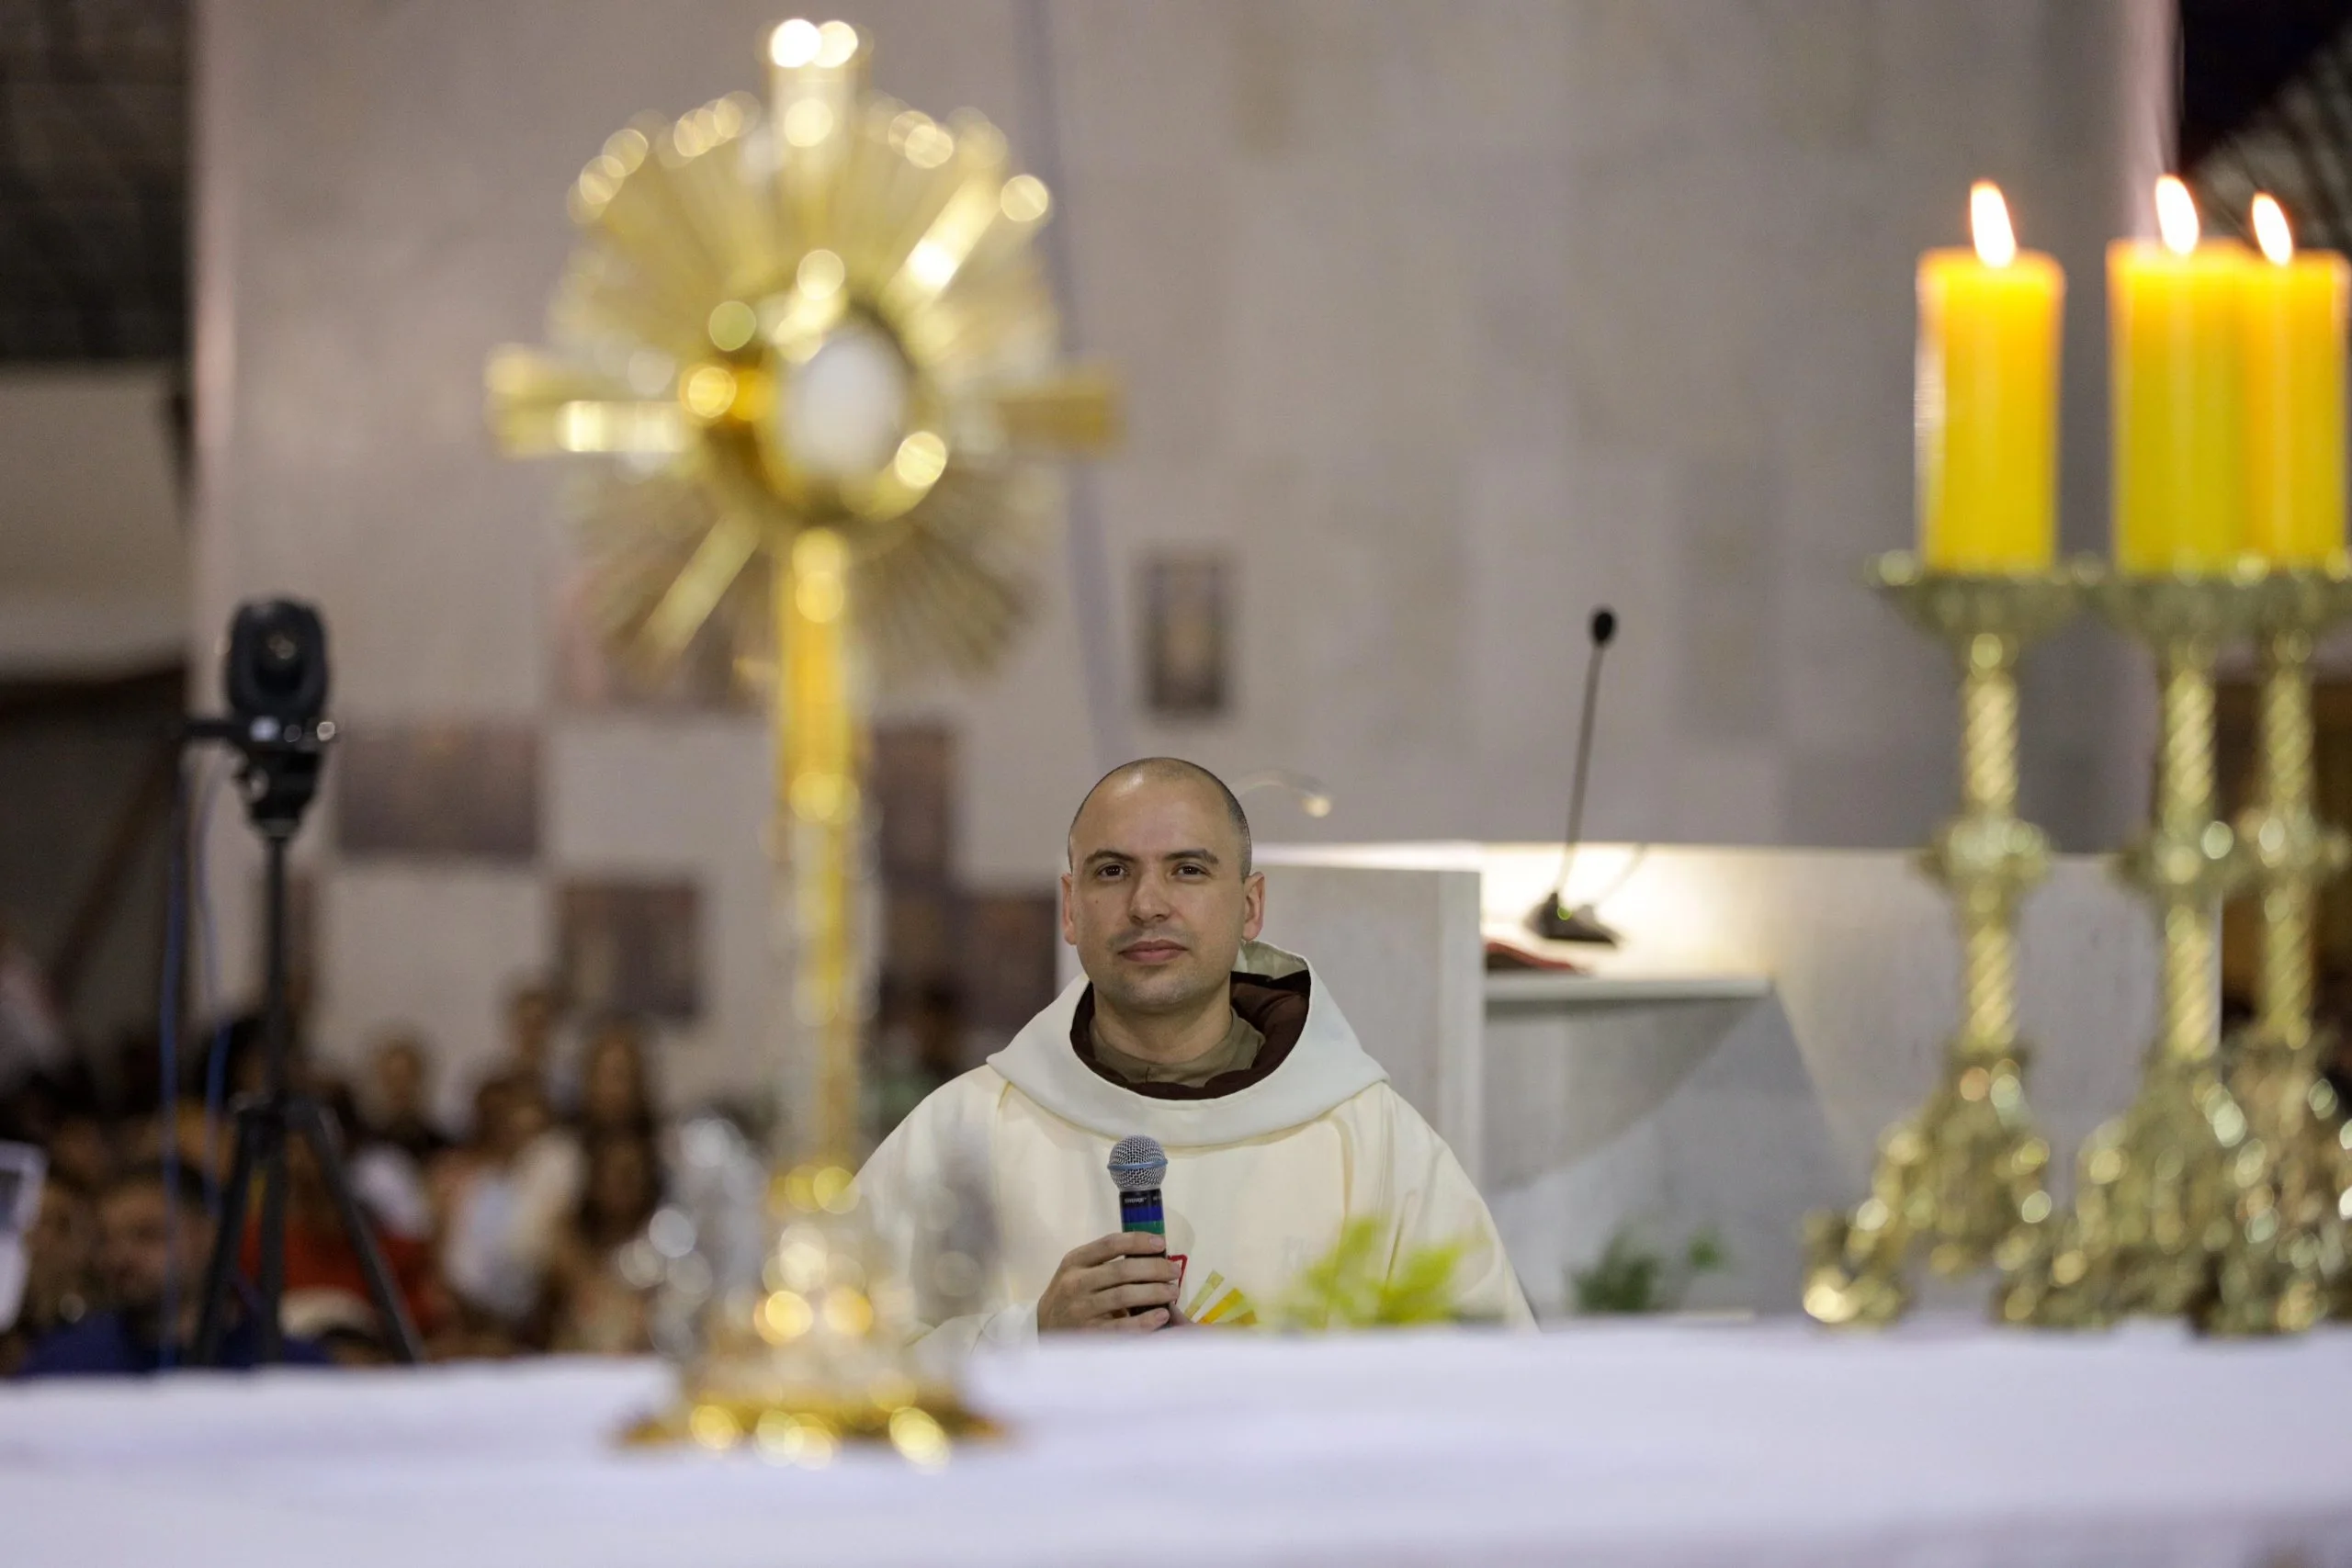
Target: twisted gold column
2291, 847
1988, 750
2285, 1254
2158, 1189
2187, 862
1964, 1175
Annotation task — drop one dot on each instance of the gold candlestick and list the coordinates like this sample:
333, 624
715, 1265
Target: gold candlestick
2285, 1254
1966, 1174
2158, 1188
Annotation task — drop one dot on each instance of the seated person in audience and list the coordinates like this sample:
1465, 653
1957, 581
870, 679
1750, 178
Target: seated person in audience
397, 1107
504, 1199
597, 1308
141, 1140
1279, 1130
80, 1149
388, 1182
319, 1253
615, 1093
33, 1109
57, 1271
342, 1326
154, 1236
533, 1014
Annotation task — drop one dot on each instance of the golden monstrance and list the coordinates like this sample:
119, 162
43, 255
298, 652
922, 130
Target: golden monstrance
813, 344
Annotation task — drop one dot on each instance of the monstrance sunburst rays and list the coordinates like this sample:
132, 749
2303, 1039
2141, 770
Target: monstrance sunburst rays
813, 342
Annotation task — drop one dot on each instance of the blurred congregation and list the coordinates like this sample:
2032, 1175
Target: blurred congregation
506, 1233
517, 1228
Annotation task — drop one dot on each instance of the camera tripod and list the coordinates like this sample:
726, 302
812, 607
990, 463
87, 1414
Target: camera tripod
279, 772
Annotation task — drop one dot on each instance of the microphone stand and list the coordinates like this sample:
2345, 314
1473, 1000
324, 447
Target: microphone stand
1550, 919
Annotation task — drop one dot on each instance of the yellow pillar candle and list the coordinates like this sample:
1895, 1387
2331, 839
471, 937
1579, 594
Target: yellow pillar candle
2294, 398
2176, 313
1987, 401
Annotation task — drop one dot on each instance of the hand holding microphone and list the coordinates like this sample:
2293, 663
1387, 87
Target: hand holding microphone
1124, 1281
1101, 1284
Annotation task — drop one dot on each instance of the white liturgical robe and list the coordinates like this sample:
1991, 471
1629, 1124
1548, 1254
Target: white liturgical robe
1261, 1180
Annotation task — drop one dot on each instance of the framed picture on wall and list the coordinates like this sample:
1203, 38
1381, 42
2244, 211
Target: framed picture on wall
437, 790
1186, 634
631, 945
1008, 955
919, 932
913, 783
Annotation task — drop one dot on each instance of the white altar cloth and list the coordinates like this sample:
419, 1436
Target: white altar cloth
1648, 1444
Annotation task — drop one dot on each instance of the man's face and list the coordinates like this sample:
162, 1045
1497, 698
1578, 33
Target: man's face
135, 1246
1155, 901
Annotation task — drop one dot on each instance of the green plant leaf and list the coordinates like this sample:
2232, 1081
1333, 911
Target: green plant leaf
1346, 1286
1630, 1277
1707, 1253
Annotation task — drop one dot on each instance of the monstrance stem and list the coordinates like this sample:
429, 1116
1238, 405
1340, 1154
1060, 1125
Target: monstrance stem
818, 814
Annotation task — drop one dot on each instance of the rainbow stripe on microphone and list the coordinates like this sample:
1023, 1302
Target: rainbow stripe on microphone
1141, 1211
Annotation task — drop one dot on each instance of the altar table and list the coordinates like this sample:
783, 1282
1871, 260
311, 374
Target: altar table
1649, 1443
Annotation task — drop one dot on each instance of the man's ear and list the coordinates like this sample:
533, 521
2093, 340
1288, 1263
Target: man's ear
1070, 923
1253, 905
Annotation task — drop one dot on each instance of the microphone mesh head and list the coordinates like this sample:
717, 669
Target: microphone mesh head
1138, 1163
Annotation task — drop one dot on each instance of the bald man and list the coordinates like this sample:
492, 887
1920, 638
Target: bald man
1280, 1131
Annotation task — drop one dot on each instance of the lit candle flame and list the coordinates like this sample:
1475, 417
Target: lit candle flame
2271, 229
1988, 216
2175, 216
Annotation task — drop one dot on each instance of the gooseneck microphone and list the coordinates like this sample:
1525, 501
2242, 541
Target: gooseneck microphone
1549, 919
1137, 1164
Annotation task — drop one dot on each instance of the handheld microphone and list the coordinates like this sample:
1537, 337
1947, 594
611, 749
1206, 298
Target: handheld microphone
1137, 1164
1548, 918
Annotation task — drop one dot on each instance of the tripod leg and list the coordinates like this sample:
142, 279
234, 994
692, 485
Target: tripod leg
212, 1318
276, 1033
310, 1122
271, 1287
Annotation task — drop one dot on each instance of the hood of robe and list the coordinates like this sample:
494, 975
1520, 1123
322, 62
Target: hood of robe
1327, 1068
